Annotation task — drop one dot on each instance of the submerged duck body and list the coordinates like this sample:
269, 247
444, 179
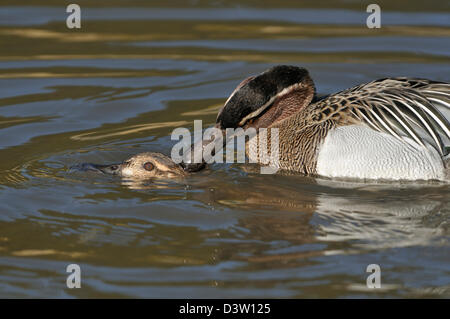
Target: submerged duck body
385, 129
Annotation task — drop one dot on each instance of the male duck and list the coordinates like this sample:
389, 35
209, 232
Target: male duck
386, 129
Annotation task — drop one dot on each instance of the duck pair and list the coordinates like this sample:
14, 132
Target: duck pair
386, 129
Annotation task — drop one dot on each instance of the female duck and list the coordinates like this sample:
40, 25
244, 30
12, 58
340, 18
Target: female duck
386, 129
142, 166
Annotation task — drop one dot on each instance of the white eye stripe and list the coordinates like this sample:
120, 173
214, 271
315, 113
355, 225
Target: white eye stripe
285, 91
232, 94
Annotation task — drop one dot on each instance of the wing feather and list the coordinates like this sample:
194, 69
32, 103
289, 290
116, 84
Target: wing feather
401, 107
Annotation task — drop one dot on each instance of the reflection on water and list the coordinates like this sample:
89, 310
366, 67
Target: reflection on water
121, 85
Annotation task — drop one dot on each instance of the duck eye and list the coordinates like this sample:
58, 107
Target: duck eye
114, 167
149, 166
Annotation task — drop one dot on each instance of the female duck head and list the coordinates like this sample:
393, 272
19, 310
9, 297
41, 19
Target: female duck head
141, 166
261, 100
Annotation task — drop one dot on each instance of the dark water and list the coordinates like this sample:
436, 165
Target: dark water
136, 71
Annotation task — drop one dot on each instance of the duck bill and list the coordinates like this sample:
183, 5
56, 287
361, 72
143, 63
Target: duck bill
112, 169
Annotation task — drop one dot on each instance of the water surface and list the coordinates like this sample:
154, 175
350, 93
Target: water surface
136, 71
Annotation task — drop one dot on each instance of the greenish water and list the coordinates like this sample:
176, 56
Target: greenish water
133, 73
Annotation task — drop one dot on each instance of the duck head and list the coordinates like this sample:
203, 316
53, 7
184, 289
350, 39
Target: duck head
262, 100
143, 166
